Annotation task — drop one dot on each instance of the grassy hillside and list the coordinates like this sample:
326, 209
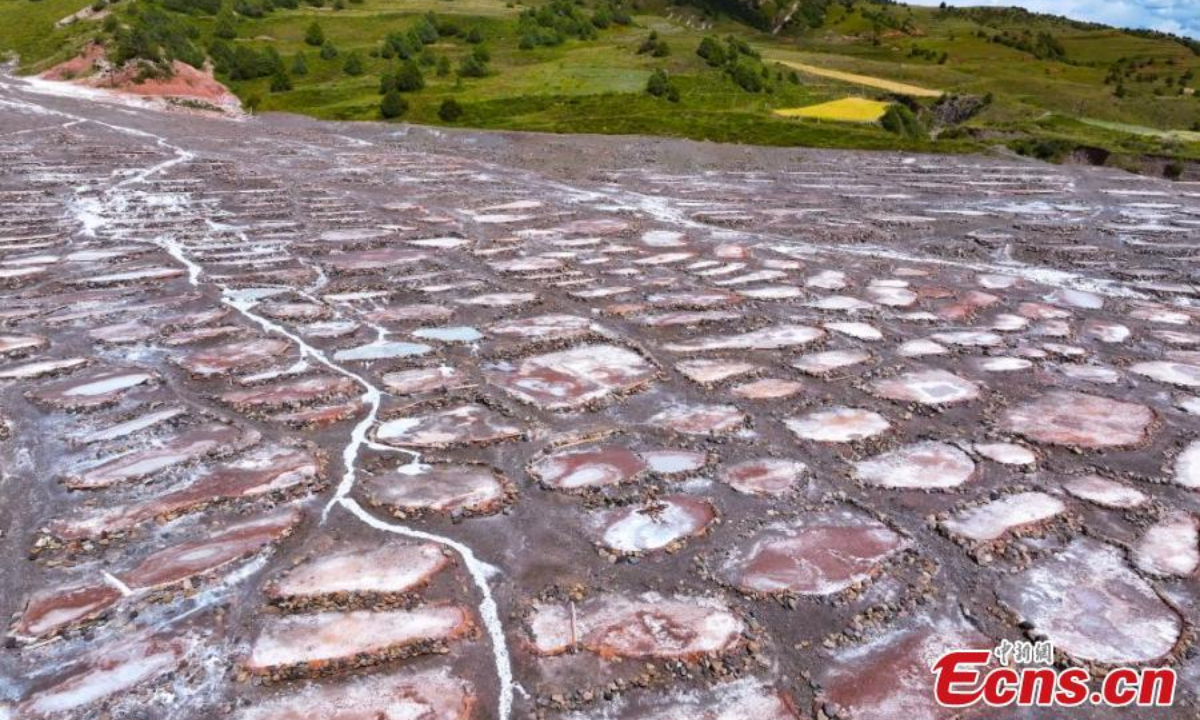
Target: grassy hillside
1044, 86
28, 29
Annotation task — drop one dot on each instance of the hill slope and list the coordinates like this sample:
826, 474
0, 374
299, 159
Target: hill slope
958, 79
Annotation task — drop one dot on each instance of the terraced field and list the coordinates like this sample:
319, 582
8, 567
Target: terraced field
308, 420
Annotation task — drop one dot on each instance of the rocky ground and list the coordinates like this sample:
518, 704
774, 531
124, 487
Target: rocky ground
311, 420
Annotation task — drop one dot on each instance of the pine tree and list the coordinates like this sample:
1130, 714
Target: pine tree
450, 111
353, 65
281, 81
472, 66
410, 79
393, 105
399, 45
660, 85
225, 26
299, 64
315, 36
328, 51
712, 51
426, 31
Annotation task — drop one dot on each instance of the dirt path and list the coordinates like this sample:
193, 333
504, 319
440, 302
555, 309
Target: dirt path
864, 80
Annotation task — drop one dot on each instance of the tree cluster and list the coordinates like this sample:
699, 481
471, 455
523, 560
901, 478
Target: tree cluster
654, 46
738, 59
555, 22
156, 37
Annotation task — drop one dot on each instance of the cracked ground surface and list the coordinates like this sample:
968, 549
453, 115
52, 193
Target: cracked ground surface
312, 420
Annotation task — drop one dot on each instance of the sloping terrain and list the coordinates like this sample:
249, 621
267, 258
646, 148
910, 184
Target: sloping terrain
309, 419
971, 78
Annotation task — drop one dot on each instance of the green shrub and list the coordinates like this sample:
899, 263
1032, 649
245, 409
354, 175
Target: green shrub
353, 66
1044, 149
446, 26
281, 81
473, 67
409, 78
393, 105
655, 46
660, 85
737, 46
426, 30
712, 51
450, 111
225, 26
602, 18
244, 62
746, 73
649, 43
314, 36
899, 120
397, 45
